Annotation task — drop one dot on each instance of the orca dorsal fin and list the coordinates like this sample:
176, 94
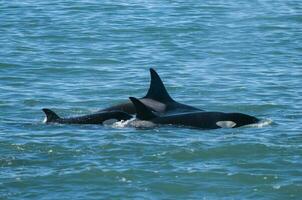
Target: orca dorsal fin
51, 116
142, 111
157, 90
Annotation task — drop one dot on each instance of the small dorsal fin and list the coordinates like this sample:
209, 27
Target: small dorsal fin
157, 90
142, 111
51, 116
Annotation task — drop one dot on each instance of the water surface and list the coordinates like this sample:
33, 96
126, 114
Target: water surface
77, 57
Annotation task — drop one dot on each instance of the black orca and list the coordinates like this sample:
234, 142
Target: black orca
204, 120
157, 99
97, 118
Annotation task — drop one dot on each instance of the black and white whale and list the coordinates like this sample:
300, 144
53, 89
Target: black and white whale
96, 118
203, 120
157, 99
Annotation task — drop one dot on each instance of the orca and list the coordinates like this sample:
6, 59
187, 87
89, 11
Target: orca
203, 120
157, 99
96, 118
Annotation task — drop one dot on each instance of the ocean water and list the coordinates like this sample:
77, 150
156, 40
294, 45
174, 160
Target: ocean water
77, 57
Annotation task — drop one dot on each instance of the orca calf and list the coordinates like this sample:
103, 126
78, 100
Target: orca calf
157, 99
97, 118
204, 120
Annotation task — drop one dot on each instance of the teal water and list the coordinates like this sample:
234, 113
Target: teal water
80, 56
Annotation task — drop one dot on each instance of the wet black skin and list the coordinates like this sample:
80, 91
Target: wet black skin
203, 120
206, 120
157, 99
97, 118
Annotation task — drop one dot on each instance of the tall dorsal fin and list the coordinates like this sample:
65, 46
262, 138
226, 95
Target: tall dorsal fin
51, 116
142, 111
157, 89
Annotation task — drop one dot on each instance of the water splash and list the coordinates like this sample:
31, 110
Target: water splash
133, 123
261, 124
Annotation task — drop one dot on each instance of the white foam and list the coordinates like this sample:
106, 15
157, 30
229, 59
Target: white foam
133, 123
121, 124
261, 124
44, 120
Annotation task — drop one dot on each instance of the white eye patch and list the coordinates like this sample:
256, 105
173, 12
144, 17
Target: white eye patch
226, 124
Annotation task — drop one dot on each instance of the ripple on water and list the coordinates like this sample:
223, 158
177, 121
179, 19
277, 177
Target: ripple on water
80, 57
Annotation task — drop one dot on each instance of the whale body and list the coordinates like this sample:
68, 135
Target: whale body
96, 118
203, 120
157, 99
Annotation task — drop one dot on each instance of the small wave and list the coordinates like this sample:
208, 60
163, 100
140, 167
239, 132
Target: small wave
261, 124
